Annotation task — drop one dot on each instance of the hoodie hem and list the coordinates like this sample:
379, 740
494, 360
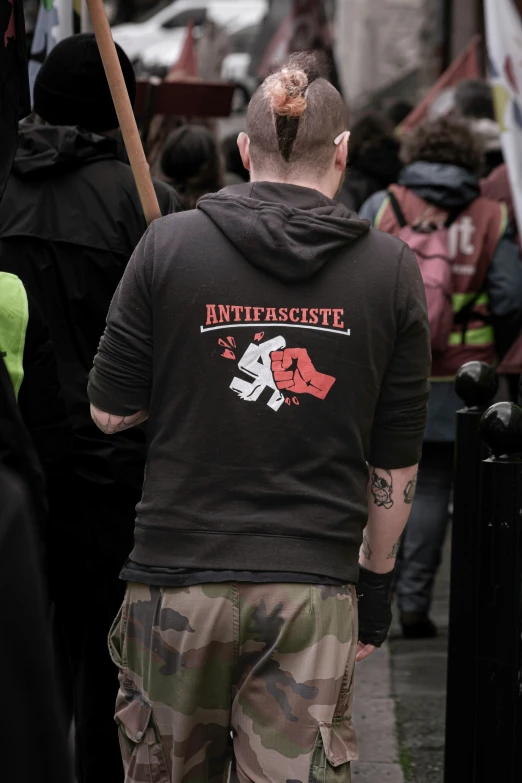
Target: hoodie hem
232, 551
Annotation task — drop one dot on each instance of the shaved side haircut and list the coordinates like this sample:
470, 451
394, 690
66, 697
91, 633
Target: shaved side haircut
293, 120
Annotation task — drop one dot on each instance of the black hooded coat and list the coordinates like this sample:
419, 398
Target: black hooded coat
70, 219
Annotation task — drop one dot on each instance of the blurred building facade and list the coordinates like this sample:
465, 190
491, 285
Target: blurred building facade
388, 49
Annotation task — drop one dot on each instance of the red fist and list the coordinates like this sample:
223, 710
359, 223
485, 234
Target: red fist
293, 370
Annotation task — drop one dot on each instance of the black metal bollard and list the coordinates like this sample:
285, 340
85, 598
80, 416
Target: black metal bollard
476, 384
498, 723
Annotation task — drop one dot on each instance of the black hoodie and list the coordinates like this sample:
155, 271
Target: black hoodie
70, 219
278, 345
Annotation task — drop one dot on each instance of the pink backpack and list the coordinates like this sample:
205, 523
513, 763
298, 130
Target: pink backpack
429, 242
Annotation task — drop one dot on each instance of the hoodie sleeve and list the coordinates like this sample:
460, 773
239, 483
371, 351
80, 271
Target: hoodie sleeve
121, 379
400, 415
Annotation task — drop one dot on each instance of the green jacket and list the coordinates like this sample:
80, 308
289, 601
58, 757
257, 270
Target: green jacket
14, 316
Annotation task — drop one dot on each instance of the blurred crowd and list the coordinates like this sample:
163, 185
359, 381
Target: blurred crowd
450, 164
69, 222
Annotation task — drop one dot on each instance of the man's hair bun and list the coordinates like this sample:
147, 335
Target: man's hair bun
286, 90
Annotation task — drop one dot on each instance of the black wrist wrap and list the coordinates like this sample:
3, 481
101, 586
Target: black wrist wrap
374, 600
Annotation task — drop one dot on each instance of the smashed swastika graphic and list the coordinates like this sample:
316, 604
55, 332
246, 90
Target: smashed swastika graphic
274, 367
256, 363
294, 372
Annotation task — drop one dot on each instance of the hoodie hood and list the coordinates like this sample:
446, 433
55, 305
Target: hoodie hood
442, 184
44, 150
288, 231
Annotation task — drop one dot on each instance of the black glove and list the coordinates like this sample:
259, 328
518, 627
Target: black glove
374, 594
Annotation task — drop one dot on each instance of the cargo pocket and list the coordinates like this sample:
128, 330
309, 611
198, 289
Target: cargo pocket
140, 740
117, 635
115, 640
335, 748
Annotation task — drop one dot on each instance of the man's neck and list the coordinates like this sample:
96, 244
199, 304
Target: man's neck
321, 187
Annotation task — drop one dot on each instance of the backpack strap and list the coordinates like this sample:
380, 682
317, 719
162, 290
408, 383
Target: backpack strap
453, 214
399, 214
466, 313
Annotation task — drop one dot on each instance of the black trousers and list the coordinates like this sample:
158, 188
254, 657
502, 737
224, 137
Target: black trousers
423, 540
87, 594
97, 749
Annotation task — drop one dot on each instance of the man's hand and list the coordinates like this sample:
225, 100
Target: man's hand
294, 372
110, 423
364, 651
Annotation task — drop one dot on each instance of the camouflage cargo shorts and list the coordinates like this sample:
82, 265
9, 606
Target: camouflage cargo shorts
258, 675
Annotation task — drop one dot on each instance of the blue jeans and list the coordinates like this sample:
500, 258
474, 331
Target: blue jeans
422, 543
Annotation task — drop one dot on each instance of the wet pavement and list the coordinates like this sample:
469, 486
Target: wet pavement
419, 689
375, 722
400, 703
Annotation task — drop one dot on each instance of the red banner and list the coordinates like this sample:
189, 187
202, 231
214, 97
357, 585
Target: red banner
466, 66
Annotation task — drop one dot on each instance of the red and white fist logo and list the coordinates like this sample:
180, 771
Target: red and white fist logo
294, 372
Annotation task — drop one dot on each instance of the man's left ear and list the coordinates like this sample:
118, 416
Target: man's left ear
341, 155
243, 142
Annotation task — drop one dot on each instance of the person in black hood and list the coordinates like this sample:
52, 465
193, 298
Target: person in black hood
70, 219
277, 346
440, 178
374, 161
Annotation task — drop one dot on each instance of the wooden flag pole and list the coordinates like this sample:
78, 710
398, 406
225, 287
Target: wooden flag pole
122, 104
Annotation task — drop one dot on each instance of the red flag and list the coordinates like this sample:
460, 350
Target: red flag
466, 66
15, 101
187, 64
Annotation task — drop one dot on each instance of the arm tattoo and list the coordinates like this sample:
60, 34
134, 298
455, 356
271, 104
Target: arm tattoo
367, 551
114, 424
409, 492
382, 487
395, 550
